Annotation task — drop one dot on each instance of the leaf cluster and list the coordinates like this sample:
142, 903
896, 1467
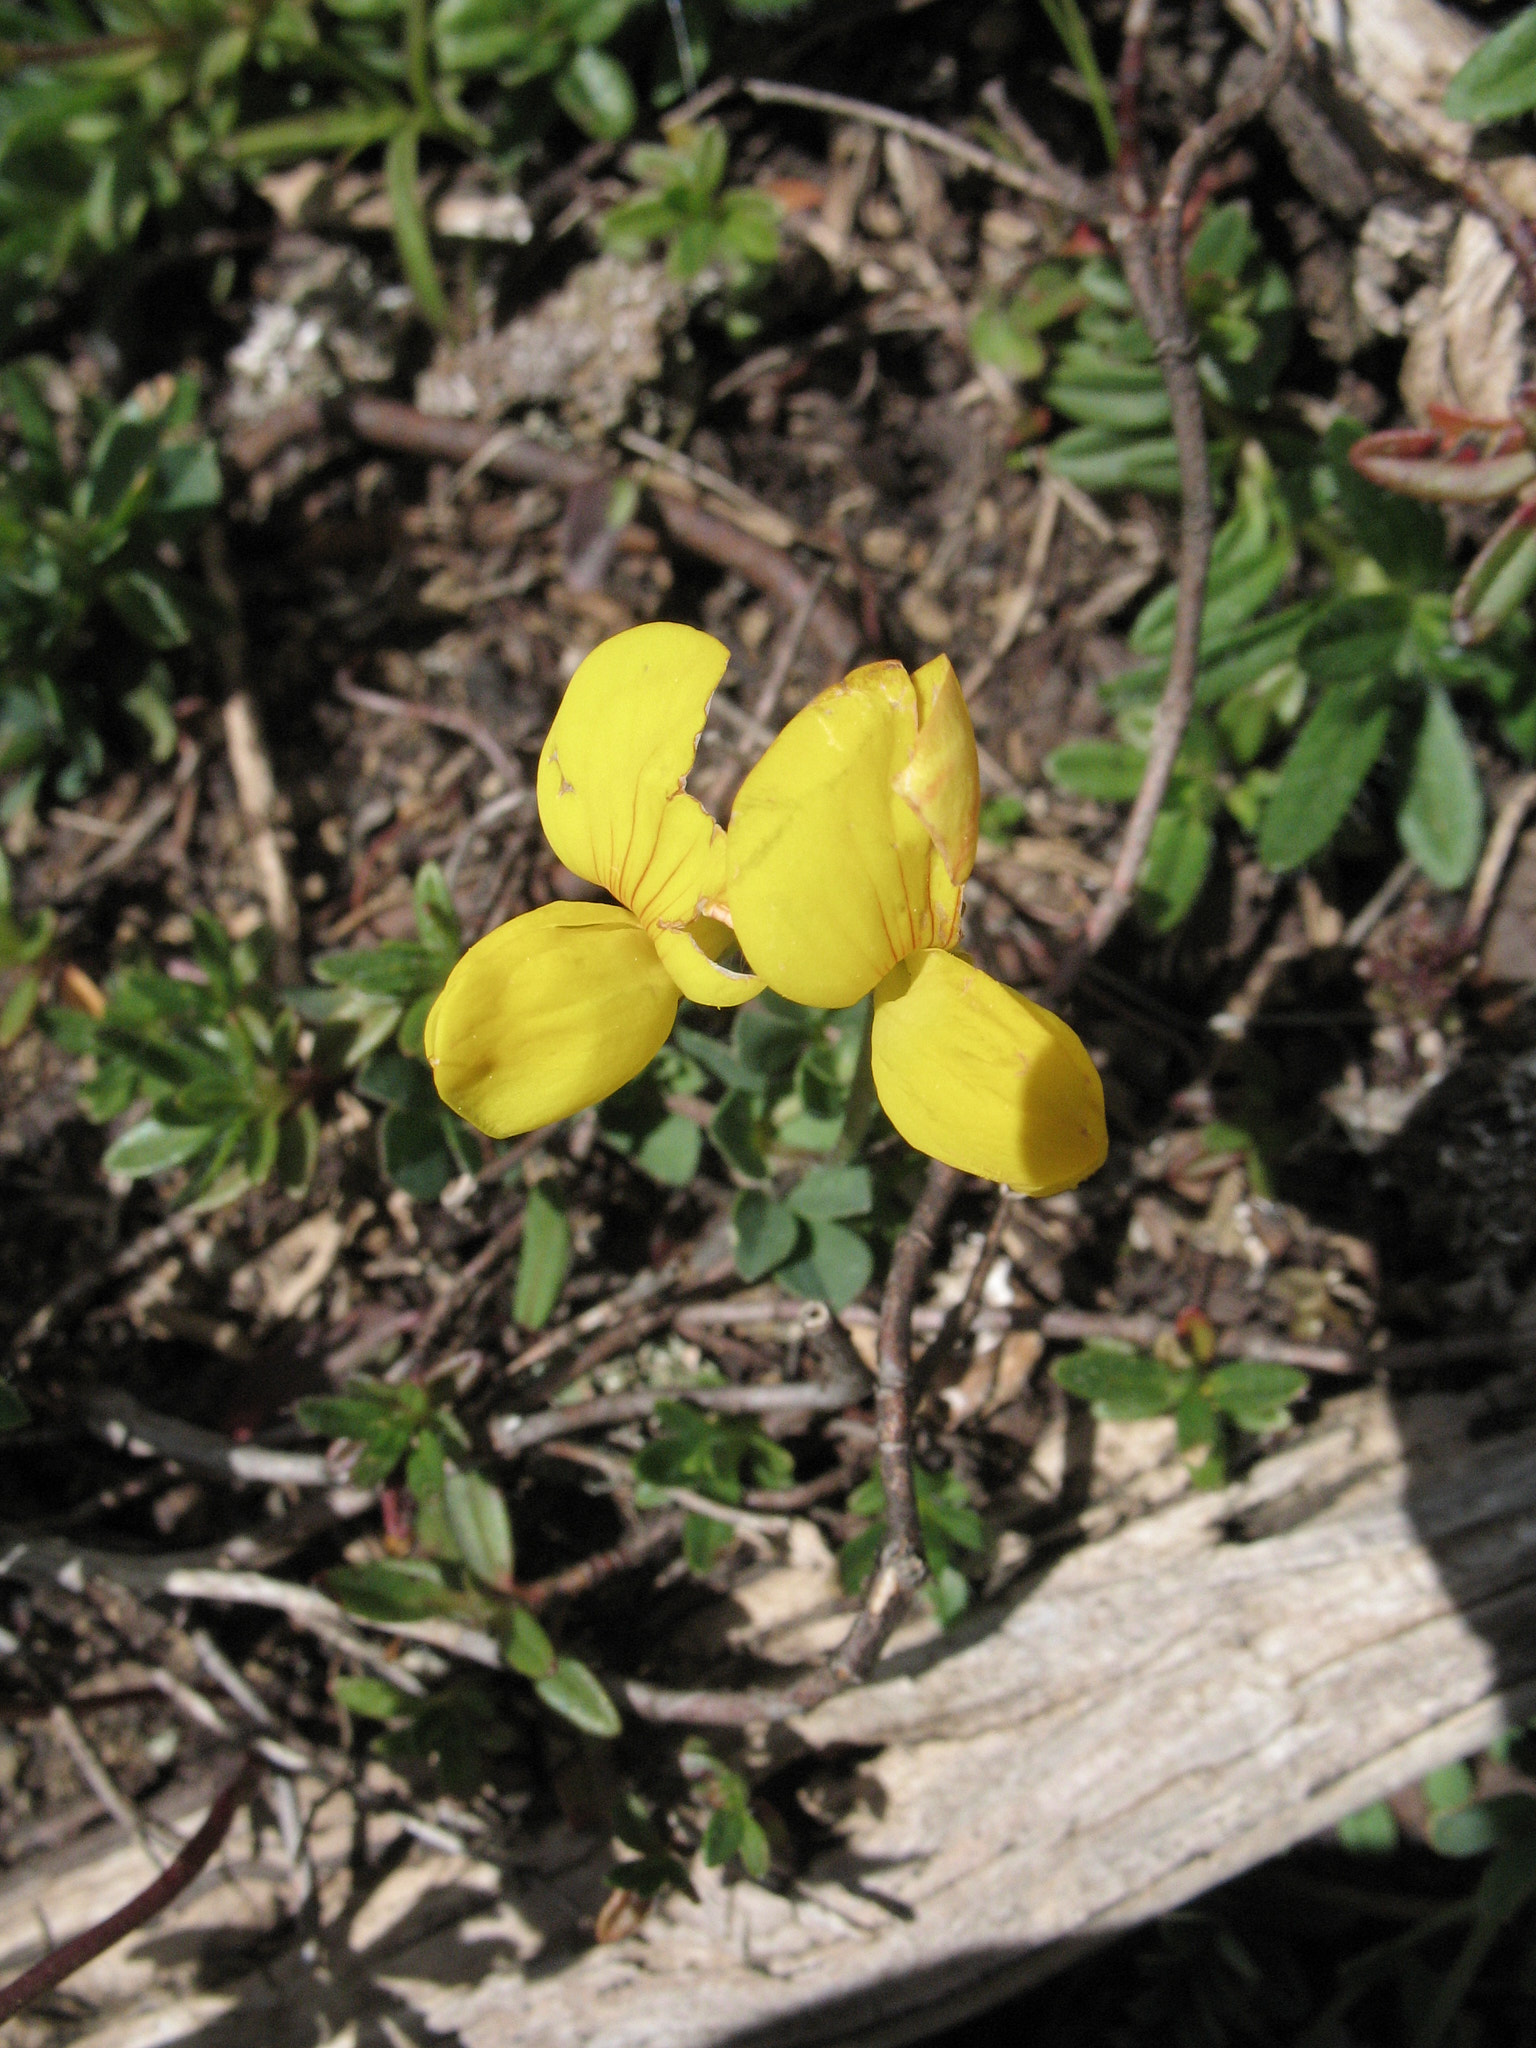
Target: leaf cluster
227, 1067
707, 1454
1207, 1402
212, 1054
150, 105
1298, 702
789, 1107
685, 204
462, 1561
92, 521
947, 1523
1107, 379
1462, 1827
24, 943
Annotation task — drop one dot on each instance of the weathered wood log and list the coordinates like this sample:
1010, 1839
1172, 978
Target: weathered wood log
1189, 1693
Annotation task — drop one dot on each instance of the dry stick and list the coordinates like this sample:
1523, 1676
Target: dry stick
1490, 872
71, 1737
511, 1435
124, 1422
768, 568
490, 1254
1014, 616
643, 1542
249, 763
169, 1885
901, 1566
1034, 184
148, 1245
464, 723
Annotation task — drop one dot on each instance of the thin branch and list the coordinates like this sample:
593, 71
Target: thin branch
653, 1534
511, 1435
1496, 855
490, 1255
1152, 254
464, 723
1033, 184
169, 1885
67, 1731
124, 1422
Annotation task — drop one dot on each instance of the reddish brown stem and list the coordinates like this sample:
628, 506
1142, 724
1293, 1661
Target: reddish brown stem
73, 1955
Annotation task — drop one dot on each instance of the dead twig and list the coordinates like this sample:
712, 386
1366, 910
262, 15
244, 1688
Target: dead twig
169, 1885
1490, 870
1034, 185
67, 1731
124, 1422
464, 723
769, 569
511, 1435
657, 1533
490, 1255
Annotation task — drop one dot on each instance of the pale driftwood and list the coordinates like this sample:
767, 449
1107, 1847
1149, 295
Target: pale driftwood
1208, 1680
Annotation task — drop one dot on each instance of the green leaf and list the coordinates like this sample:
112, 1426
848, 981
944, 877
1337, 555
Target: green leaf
858, 1557
1453, 1785
147, 703
414, 1152
594, 89
571, 1690
1197, 1422
1174, 871
766, 1233
298, 1147
836, 1269
1373, 1831
543, 1260
714, 1057
1501, 577
669, 1151
370, 1699
949, 1594
735, 1133
412, 240
527, 1648
722, 1838
996, 338
1105, 459
147, 609
1441, 819
436, 919
17, 1012
318, 134
390, 1592
753, 1848
705, 1540
830, 1193
154, 1147
1255, 1393
1119, 1384
1356, 639
13, 1410
1106, 770
1406, 538
480, 1526
1322, 775
1498, 81
1508, 1817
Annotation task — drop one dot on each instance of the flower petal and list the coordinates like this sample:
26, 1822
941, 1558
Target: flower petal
829, 869
972, 1074
942, 781
689, 956
547, 1015
611, 775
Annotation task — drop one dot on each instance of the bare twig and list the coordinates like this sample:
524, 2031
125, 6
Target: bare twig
445, 715
511, 1435
128, 1425
1017, 606
249, 763
169, 1885
768, 568
1032, 183
1490, 871
656, 1533
470, 1274
67, 1731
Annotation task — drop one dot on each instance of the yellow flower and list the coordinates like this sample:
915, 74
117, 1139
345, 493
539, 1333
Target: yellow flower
554, 1011
850, 844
